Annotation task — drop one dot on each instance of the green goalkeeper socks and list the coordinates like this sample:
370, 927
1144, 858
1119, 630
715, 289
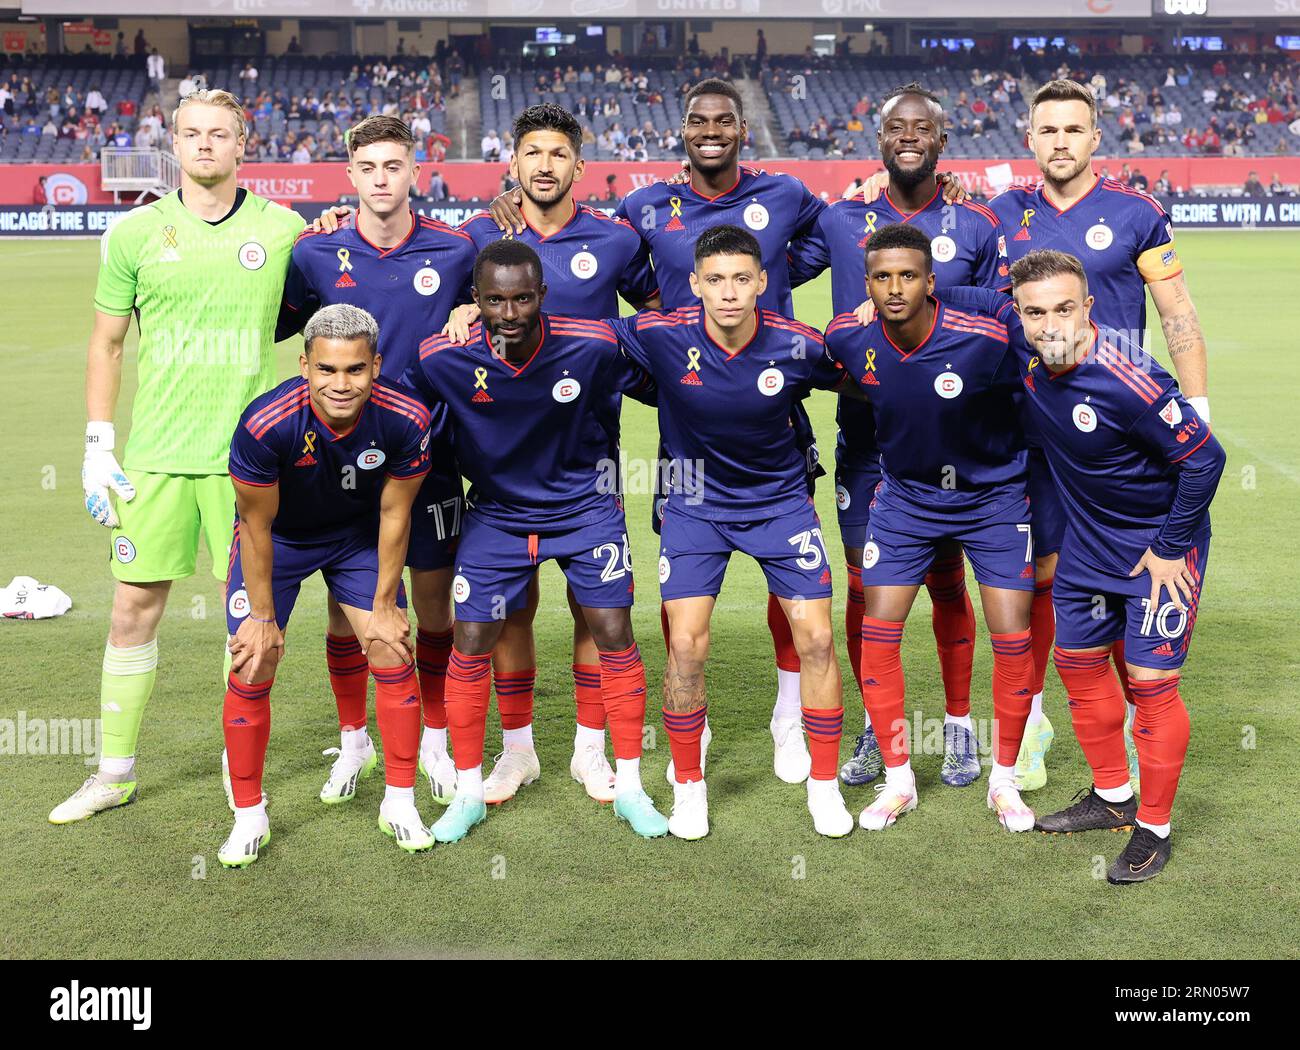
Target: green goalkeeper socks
124, 690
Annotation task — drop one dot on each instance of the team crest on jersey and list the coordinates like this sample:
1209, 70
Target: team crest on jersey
692, 376
1099, 237
947, 385
842, 497
566, 390
124, 549
238, 604
252, 256
1085, 418
1171, 413
756, 216
371, 458
1023, 234
481, 395
943, 248
583, 265
675, 217
770, 382
426, 280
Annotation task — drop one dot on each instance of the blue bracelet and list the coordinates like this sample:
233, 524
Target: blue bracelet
258, 619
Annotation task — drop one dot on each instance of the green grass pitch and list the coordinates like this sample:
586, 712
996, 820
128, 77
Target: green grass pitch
553, 874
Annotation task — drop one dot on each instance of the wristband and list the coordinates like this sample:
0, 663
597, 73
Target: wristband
100, 436
258, 619
1202, 406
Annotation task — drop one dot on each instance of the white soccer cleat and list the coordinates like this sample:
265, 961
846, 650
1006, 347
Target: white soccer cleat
891, 803
590, 768
706, 738
690, 817
245, 843
514, 768
790, 759
401, 821
94, 796
225, 783
1013, 814
438, 768
350, 765
830, 816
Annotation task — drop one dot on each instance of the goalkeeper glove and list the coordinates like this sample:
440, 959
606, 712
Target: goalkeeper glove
100, 472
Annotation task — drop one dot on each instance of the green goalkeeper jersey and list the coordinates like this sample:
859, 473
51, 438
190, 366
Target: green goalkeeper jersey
206, 297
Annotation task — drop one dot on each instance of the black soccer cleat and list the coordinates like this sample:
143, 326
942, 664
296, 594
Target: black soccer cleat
1090, 812
1143, 858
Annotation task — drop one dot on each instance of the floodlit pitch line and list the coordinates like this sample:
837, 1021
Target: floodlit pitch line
1290, 473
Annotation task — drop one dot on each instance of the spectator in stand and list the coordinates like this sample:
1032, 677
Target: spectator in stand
141, 44
760, 48
294, 47
437, 187
1174, 115
119, 46
1139, 181
1125, 175
302, 153
95, 102
611, 189
30, 128
120, 136
50, 129
248, 79
1275, 187
1253, 187
157, 69
1211, 142
39, 197
1193, 140
491, 146
507, 148
862, 107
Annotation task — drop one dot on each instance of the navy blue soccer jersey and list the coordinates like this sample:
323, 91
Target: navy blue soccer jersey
774, 208
329, 482
586, 265
1123, 237
726, 416
410, 289
534, 440
1134, 463
946, 414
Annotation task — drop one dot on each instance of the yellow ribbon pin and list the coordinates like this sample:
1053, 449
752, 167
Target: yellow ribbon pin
693, 359
871, 222
169, 236
871, 360
480, 378
309, 442
1029, 214
676, 203
344, 265
1033, 363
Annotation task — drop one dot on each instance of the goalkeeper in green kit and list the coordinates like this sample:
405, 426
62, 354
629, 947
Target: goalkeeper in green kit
202, 270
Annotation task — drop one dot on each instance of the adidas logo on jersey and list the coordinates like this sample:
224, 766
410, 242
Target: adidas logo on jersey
345, 281
692, 379
307, 461
1023, 235
481, 397
674, 225
870, 379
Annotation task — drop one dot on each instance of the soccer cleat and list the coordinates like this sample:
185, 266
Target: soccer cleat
94, 796
464, 812
790, 759
706, 738
1090, 812
961, 758
244, 844
830, 816
690, 818
891, 803
514, 768
229, 787
403, 823
637, 808
350, 766
590, 768
440, 771
1031, 769
1013, 814
867, 762
1143, 858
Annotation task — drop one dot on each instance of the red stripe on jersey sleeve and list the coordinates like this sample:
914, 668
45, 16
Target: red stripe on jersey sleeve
1193, 449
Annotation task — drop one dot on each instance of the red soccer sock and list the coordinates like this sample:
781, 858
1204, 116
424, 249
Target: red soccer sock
953, 619
469, 681
684, 733
853, 613
622, 684
825, 727
515, 697
883, 688
1042, 630
1013, 677
1161, 731
397, 710
787, 657
1121, 668
588, 696
663, 622
1097, 711
348, 678
432, 649
246, 722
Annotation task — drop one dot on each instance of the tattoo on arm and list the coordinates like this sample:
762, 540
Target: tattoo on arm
1183, 332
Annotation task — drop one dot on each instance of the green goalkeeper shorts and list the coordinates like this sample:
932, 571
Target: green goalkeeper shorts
158, 535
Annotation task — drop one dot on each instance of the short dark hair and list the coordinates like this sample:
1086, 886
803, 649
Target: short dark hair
378, 129
1064, 91
507, 253
714, 86
727, 240
549, 117
914, 88
899, 235
1044, 264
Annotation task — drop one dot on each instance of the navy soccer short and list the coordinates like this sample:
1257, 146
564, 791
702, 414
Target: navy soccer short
853, 492
436, 518
1046, 511
350, 566
1095, 609
494, 567
903, 540
694, 552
